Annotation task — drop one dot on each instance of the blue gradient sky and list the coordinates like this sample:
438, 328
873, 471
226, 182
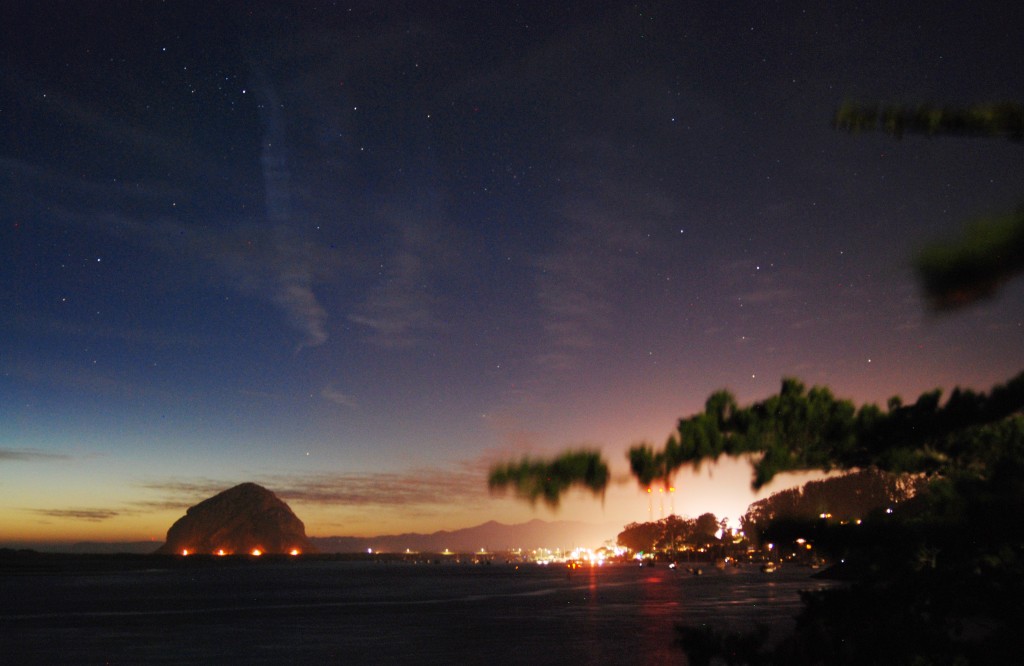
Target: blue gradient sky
357, 253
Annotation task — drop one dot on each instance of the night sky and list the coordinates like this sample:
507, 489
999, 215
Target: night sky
358, 252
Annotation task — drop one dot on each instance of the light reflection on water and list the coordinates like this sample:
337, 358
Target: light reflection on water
326, 611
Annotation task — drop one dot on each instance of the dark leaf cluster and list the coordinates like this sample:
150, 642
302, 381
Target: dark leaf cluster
991, 250
547, 480
998, 120
973, 267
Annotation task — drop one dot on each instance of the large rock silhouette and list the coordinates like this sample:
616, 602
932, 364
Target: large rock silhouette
239, 520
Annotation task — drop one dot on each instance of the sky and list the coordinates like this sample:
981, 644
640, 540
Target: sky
358, 252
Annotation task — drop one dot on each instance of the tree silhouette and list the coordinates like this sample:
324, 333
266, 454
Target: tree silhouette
671, 532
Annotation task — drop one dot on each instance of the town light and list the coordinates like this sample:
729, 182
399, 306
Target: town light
256, 552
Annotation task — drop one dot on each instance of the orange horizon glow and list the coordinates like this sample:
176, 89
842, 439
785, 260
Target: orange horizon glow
726, 492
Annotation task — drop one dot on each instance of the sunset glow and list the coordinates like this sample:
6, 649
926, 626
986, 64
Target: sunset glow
361, 275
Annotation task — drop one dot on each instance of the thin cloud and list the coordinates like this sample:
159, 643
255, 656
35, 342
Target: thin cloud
60, 327
198, 490
273, 264
265, 261
109, 128
398, 311
80, 378
30, 455
331, 394
579, 281
767, 296
89, 515
415, 487
427, 486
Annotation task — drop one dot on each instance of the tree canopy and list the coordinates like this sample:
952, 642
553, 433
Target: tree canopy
842, 498
670, 533
800, 430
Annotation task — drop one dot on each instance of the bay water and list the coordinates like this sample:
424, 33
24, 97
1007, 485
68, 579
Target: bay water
298, 612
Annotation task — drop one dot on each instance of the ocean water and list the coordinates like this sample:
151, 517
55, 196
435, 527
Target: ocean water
363, 612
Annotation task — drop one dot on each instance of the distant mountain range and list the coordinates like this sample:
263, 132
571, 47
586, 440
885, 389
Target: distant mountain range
490, 536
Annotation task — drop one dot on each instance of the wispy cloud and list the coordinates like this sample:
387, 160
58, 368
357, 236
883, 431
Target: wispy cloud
261, 258
332, 394
174, 495
579, 281
90, 329
111, 128
271, 263
30, 455
399, 309
426, 486
766, 296
89, 515
274, 264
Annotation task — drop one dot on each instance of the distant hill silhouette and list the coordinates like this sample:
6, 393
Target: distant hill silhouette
491, 536
238, 520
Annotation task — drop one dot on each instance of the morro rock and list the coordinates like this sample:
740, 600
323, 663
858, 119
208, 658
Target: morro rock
241, 520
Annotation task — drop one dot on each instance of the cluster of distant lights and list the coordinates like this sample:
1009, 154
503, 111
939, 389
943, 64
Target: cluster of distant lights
255, 552
577, 556
543, 556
